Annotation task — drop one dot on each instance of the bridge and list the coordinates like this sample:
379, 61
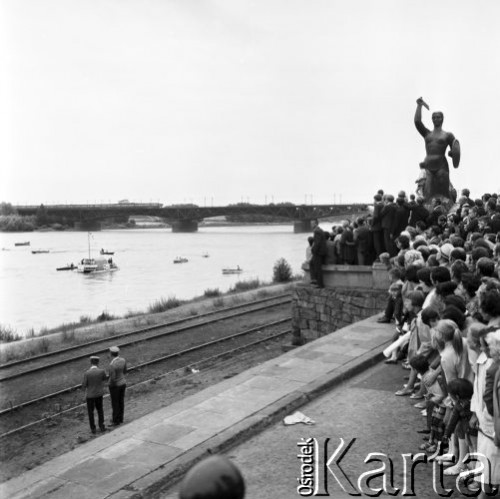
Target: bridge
184, 218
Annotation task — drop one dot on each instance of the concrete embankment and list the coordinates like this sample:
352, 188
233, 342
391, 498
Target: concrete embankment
146, 456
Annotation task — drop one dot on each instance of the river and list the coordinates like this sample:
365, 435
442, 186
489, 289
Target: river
33, 295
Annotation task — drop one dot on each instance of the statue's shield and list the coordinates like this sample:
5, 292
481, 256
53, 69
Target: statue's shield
455, 153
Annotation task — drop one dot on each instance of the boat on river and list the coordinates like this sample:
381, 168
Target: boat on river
106, 252
97, 265
25, 243
236, 270
69, 266
180, 259
38, 251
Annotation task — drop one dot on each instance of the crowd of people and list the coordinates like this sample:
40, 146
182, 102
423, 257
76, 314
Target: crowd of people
444, 301
368, 238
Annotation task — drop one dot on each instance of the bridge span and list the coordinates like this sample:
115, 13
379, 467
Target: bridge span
185, 218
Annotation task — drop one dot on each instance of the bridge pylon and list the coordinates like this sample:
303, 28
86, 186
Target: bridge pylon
303, 225
185, 226
88, 225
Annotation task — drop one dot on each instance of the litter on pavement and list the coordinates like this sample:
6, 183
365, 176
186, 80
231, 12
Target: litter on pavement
297, 417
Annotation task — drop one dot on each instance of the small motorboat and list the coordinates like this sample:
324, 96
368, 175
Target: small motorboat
87, 266
106, 252
38, 251
25, 243
235, 270
69, 266
180, 259
205, 255
96, 266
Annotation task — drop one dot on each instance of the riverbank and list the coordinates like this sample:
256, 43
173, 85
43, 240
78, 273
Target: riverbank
67, 335
66, 431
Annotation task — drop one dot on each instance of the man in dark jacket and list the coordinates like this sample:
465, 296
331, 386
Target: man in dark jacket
318, 250
347, 245
437, 211
388, 223
466, 195
117, 384
376, 227
93, 384
418, 212
363, 242
401, 216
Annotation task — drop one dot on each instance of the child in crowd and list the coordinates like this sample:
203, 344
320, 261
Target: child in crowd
394, 307
400, 339
419, 334
460, 391
424, 280
385, 259
435, 401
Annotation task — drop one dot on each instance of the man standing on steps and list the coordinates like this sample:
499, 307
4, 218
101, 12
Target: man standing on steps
93, 383
117, 385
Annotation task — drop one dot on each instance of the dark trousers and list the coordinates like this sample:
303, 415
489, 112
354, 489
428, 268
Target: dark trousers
364, 257
361, 258
430, 408
316, 270
389, 244
389, 308
117, 394
394, 308
95, 403
378, 242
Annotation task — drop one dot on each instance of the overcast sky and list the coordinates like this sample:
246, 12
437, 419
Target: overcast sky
215, 102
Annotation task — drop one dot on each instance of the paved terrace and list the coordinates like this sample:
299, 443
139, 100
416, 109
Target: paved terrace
141, 458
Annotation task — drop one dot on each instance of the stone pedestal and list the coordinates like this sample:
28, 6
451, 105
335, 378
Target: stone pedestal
352, 276
380, 276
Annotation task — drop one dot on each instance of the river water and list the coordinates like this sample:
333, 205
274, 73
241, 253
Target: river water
34, 295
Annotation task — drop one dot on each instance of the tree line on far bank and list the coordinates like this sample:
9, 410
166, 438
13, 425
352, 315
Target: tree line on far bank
11, 221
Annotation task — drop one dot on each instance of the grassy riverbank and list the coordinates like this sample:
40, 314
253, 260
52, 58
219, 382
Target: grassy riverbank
106, 325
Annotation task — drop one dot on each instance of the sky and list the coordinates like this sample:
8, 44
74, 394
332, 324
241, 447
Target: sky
222, 101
